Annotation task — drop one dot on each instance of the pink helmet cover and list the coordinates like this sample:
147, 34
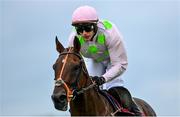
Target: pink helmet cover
84, 14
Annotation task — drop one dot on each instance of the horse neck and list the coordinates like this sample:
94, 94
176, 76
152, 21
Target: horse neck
91, 102
87, 102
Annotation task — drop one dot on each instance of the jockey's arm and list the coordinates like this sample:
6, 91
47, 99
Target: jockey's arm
117, 53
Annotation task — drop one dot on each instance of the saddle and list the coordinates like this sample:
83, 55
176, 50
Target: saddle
118, 109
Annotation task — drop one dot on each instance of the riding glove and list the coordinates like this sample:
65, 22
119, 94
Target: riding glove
99, 80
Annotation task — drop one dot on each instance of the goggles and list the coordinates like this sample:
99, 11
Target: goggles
84, 27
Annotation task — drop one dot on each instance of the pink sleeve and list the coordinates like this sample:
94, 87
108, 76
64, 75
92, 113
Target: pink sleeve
117, 52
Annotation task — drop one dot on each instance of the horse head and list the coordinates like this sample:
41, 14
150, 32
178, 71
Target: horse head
70, 74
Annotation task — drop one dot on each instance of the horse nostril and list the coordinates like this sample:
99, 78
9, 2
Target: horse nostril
62, 97
58, 99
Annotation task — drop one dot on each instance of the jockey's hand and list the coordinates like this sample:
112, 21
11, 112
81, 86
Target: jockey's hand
99, 80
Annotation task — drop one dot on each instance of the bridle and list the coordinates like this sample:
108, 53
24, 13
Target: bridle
71, 94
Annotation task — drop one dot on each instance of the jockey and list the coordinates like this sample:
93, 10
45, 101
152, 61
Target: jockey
102, 42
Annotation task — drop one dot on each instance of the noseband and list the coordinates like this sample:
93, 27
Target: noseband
71, 94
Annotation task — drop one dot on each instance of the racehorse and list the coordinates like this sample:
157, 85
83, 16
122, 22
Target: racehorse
73, 85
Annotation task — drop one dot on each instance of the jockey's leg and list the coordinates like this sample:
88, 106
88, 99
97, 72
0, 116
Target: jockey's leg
123, 96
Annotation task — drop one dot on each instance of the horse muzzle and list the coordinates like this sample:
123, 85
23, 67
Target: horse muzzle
60, 102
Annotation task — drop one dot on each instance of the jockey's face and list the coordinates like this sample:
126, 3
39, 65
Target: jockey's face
86, 30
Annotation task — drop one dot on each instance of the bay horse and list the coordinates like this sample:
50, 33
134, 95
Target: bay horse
73, 85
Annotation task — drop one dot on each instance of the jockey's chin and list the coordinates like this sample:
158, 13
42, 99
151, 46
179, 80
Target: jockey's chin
88, 35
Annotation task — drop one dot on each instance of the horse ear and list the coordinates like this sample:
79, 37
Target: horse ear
59, 46
76, 43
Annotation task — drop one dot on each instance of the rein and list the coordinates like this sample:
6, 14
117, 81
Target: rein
71, 94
